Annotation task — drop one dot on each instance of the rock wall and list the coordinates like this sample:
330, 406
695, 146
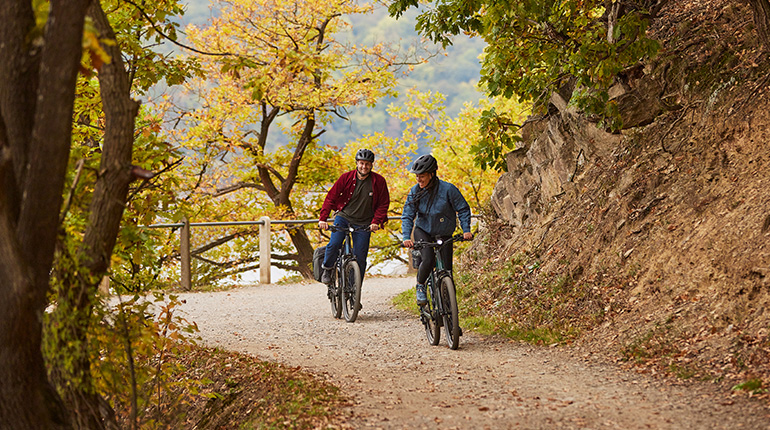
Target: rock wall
556, 150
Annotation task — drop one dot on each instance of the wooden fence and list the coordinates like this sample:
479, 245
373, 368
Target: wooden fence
265, 238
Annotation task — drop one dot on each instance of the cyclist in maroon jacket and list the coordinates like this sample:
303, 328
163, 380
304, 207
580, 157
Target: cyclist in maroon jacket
359, 198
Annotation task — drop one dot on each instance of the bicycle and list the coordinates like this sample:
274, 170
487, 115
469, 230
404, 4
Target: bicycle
344, 290
441, 308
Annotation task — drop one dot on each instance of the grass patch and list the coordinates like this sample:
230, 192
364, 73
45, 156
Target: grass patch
293, 279
406, 301
753, 386
642, 348
474, 317
515, 298
682, 372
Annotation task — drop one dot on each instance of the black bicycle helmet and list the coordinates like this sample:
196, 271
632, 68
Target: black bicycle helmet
365, 154
424, 164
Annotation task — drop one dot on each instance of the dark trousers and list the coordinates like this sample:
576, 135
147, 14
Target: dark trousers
429, 257
360, 244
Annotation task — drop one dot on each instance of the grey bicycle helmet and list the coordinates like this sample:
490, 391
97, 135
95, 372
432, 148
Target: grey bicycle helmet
365, 154
424, 164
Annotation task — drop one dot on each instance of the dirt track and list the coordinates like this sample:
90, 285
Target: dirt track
398, 381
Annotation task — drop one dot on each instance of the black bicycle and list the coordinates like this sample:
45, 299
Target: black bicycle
344, 290
441, 308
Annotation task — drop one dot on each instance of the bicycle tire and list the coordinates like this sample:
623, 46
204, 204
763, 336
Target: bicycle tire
450, 317
351, 290
335, 297
432, 326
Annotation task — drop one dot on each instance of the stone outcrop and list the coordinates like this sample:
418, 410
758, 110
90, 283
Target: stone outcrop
542, 171
557, 148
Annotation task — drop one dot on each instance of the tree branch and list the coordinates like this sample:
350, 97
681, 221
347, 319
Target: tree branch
235, 187
174, 41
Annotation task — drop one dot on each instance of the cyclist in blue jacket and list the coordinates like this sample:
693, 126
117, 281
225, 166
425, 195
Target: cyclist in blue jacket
430, 213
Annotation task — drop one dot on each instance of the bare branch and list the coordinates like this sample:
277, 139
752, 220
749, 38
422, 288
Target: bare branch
235, 187
174, 41
222, 241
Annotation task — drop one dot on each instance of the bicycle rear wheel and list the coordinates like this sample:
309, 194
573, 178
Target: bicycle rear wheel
430, 319
335, 297
351, 290
450, 315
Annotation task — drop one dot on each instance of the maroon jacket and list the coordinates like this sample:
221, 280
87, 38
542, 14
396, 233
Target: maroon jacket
340, 193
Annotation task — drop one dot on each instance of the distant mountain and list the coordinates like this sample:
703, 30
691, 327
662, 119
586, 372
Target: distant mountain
454, 73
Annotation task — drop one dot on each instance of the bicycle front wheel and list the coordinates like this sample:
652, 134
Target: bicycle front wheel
335, 297
450, 315
351, 290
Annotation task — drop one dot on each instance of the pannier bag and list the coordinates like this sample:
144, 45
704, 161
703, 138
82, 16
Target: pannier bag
318, 259
416, 259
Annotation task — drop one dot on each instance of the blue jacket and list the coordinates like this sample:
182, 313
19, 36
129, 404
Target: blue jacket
439, 216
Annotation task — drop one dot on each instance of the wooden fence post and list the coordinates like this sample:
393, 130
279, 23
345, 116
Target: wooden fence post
184, 251
264, 250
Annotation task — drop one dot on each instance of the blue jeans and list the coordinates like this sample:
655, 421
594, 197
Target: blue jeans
360, 244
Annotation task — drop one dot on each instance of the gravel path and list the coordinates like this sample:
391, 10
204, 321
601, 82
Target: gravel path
398, 381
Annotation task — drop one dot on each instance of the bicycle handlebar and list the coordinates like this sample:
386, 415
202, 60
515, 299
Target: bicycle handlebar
351, 229
421, 244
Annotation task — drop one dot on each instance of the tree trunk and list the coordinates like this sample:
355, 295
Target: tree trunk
761, 9
72, 318
88, 409
27, 400
36, 104
304, 252
298, 236
111, 191
280, 195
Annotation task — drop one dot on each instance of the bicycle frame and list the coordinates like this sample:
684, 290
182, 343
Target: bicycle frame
435, 275
346, 252
345, 255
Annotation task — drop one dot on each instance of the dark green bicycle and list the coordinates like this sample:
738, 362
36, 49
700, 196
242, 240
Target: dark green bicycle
441, 308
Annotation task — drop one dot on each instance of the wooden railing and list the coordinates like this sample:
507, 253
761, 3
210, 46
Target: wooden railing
265, 238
